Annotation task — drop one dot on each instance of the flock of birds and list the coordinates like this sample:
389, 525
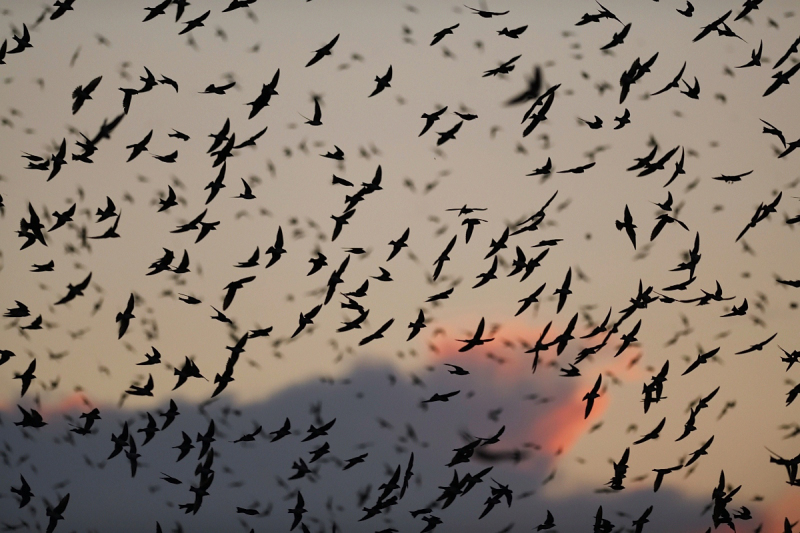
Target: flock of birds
606, 339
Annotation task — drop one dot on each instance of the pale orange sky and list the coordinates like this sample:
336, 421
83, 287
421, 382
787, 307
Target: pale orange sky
721, 134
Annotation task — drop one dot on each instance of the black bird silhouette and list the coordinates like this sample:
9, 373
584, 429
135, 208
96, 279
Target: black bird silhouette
441, 397
124, 318
486, 14
297, 511
317, 120
139, 147
755, 57
378, 334
146, 390
791, 50
448, 135
642, 520
504, 68
687, 11
618, 38
231, 289
702, 450
549, 523
444, 256
23, 42
56, 513
579, 169
674, 84
417, 325
62, 218
337, 155
398, 244
711, 27
439, 35
24, 492
62, 6
591, 396
476, 339
324, 51
628, 225
276, 250
692, 91
782, 78
306, 319
382, 81
314, 432
81, 94
218, 89
26, 377
514, 33
262, 100
620, 469
284, 431
758, 346
654, 433
564, 291
430, 118
160, 9
195, 23
74, 291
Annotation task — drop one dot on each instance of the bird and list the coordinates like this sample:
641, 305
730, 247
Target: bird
24, 492
378, 334
687, 11
591, 396
277, 250
441, 34
398, 244
382, 82
618, 38
297, 511
218, 89
504, 68
564, 290
430, 118
486, 14
125, 317
448, 135
56, 513
26, 377
513, 33
195, 23
757, 347
324, 51
317, 120
653, 434
23, 41
81, 94
477, 338
628, 225
231, 289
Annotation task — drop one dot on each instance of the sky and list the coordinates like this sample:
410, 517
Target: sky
82, 362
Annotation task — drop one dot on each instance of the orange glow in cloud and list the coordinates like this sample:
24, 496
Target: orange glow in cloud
562, 423
787, 506
562, 427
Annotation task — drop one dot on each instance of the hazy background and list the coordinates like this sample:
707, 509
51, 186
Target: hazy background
485, 167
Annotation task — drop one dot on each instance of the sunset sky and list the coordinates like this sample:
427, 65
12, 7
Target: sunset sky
81, 363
